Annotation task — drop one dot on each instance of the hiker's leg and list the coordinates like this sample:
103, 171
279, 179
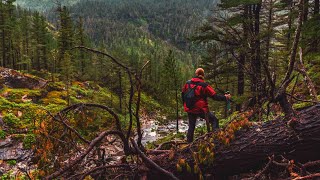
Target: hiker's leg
192, 124
213, 120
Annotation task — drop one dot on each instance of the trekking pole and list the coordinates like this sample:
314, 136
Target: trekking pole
207, 121
228, 105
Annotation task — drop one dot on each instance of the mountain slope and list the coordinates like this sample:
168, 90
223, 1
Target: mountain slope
43, 5
171, 20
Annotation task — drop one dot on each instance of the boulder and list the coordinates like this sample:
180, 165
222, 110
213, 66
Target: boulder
15, 79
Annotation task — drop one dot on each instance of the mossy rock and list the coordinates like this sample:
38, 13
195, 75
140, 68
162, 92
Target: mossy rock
15, 79
22, 95
11, 120
55, 97
55, 86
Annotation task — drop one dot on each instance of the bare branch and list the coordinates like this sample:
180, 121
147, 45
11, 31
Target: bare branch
139, 83
66, 125
307, 79
109, 110
103, 167
257, 176
311, 164
285, 81
315, 102
127, 69
93, 143
105, 54
311, 176
151, 163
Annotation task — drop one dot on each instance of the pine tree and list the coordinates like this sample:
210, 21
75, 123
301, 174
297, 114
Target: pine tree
66, 36
7, 21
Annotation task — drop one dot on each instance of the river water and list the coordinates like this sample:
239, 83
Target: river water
154, 130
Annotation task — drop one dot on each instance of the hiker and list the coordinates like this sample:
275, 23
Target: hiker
194, 96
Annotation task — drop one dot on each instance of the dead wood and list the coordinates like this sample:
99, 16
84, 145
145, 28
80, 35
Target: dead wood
82, 105
311, 176
252, 147
312, 164
257, 176
281, 96
82, 176
302, 69
129, 73
152, 164
93, 144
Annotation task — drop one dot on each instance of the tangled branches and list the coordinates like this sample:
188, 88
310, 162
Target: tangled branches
288, 168
63, 144
79, 157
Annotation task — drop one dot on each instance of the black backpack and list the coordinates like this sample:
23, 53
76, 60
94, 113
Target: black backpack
189, 96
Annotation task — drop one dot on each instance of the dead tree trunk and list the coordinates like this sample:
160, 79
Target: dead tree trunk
302, 69
300, 142
297, 139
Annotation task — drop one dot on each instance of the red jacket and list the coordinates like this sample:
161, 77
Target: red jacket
201, 93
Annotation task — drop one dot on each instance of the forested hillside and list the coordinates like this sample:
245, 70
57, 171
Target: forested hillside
43, 5
91, 89
104, 17
137, 31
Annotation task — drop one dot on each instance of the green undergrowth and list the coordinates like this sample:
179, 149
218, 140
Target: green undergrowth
27, 110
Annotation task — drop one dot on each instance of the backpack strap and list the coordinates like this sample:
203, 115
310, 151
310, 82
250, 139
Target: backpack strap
202, 84
189, 82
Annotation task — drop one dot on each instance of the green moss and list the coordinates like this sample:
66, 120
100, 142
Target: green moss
55, 97
8, 176
11, 120
54, 108
80, 91
3, 134
55, 86
28, 141
12, 162
16, 95
75, 100
302, 105
149, 102
4, 103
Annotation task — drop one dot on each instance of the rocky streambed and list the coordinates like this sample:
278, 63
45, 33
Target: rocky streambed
14, 158
154, 130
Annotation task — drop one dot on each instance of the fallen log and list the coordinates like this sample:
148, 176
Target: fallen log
299, 141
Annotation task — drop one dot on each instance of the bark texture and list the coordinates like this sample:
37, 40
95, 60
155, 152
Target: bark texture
299, 141
297, 138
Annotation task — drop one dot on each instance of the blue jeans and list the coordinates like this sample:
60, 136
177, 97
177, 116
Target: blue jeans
193, 119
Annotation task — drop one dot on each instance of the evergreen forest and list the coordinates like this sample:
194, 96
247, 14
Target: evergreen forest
98, 89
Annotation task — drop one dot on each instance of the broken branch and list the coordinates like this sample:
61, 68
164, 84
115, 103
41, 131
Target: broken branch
151, 163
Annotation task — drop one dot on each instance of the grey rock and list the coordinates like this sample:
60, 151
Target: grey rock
10, 150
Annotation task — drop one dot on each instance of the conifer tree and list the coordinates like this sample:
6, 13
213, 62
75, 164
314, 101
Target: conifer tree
66, 35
